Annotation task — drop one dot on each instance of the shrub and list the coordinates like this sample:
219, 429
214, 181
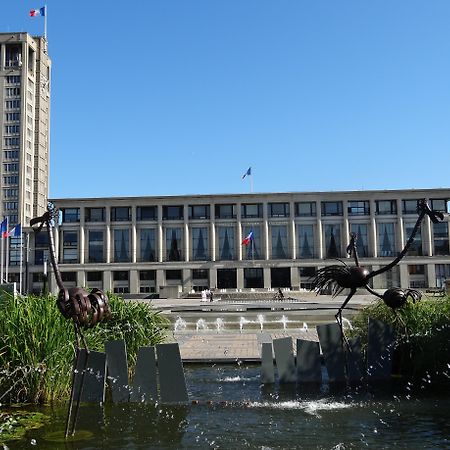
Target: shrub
37, 343
423, 335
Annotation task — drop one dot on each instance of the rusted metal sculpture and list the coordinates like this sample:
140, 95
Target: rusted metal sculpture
84, 309
340, 277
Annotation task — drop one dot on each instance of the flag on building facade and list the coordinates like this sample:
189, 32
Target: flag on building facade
248, 172
16, 231
248, 239
38, 12
4, 228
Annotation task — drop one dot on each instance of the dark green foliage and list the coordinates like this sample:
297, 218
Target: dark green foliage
37, 343
423, 337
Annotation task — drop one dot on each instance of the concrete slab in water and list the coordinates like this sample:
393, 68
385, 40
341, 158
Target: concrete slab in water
172, 383
330, 338
145, 387
379, 350
267, 368
94, 383
308, 362
116, 359
284, 358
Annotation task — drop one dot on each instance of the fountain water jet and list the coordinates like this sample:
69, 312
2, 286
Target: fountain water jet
284, 320
220, 325
242, 322
180, 324
260, 320
201, 325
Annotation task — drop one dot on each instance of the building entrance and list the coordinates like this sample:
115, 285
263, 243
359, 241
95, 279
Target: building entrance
227, 278
280, 277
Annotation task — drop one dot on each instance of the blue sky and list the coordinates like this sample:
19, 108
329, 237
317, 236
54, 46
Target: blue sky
168, 97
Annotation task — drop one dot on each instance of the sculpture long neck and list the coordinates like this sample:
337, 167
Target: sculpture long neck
54, 262
405, 248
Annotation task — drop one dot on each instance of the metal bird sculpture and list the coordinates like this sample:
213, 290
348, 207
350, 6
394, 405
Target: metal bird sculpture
340, 277
84, 309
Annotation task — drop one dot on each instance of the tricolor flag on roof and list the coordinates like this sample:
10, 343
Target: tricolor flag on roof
249, 172
38, 12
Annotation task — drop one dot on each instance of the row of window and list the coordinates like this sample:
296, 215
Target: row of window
12, 91
12, 129
11, 154
11, 141
12, 104
227, 244
228, 278
12, 79
251, 210
12, 116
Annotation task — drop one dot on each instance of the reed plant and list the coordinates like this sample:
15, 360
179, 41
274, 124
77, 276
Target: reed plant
422, 332
37, 343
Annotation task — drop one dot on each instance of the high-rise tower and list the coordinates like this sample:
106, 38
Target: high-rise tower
25, 72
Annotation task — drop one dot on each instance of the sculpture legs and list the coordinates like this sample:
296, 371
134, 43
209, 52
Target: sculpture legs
71, 422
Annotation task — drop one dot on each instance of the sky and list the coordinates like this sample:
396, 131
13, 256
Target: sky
181, 97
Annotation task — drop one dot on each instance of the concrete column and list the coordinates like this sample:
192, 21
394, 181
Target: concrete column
82, 239
107, 280
427, 236
134, 281
213, 277
377, 283
187, 241
240, 278
160, 237
319, 235
160, 279
295, 278
400, 230
345, 228
372, 232
213, 234
133, 237
293, 235
267, 281
239, 232
187, 280
404, 275
81, 278
265, 233
431, 274
108, 234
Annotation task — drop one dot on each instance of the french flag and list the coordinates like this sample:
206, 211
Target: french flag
248, 239
248, 172
4, 228
16, 231
37, 12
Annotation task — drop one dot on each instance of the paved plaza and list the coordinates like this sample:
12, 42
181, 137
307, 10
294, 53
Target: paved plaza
202, 338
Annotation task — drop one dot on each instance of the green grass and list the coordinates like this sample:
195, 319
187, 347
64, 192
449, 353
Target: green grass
37, 343
423, 337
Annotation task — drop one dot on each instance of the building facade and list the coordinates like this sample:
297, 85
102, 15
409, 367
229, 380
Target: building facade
139, 245
25, 70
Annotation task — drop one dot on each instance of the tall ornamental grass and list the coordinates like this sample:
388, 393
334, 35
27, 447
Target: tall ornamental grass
37, 343
423, 335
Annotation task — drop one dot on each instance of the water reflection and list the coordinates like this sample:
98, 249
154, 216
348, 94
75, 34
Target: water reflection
235, 411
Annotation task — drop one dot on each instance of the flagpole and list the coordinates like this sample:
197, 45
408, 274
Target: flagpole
251, 183
2, 258
21, 262
7, 258
45, 22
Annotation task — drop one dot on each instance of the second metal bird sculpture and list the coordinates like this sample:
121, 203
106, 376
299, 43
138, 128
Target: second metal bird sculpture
339, 277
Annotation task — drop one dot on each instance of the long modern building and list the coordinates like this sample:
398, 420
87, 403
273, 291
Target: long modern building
140, 245
24, 126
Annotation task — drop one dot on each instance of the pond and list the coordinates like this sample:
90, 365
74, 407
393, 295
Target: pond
235, 411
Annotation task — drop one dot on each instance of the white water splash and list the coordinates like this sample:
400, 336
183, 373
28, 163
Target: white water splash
180, 324
309, 407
